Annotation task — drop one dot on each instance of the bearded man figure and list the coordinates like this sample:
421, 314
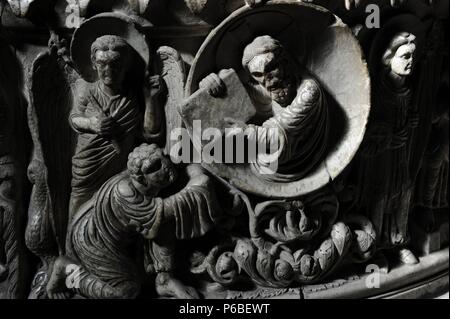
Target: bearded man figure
292, 112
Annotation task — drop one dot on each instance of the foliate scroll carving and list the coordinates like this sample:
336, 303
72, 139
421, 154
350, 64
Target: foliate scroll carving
292, 243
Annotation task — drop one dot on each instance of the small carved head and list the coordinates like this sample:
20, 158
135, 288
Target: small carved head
399, 56
150, 170
110, 56
270, 65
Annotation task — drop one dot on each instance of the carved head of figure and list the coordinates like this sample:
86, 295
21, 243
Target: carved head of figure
150, 170
270, 65
399, 57
110, 56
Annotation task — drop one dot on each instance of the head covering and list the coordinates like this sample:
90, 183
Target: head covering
261, 45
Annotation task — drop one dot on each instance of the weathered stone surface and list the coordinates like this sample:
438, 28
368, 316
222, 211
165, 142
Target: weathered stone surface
212, 111
92, 93
327, 62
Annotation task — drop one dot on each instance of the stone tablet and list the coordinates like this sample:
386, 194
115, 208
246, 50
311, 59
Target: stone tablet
213, 110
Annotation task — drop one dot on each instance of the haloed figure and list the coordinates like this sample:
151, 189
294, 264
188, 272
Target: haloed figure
107, 118
386, 182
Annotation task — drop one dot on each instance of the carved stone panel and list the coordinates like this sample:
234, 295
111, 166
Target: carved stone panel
237, 149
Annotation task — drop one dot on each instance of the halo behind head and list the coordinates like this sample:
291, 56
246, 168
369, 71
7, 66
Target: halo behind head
113, 26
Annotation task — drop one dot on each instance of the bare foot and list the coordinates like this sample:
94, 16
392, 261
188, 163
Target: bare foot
56, 287
169, 286
407, 257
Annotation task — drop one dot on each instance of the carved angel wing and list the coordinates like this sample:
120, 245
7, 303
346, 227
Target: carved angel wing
51, 98
172, 70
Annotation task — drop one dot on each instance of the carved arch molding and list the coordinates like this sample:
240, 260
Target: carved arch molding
222, 149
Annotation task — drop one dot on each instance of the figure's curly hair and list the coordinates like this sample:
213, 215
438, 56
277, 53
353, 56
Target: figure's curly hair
397, 41
110, 43
147, 159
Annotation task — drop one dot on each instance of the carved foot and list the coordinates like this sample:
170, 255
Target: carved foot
407, 257
56, 287
168, 286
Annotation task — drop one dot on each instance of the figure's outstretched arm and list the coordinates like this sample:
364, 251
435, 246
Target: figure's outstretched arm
82, 124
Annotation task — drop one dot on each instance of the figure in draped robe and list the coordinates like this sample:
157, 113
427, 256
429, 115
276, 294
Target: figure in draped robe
108, 230
385, 181
109, 118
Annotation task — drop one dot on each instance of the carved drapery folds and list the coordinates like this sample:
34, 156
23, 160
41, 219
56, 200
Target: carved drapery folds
350, 164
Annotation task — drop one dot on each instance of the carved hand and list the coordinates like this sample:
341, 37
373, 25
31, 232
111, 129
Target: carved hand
309, 93
213, 84
103, 127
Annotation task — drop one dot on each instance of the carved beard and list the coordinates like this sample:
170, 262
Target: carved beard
283, 93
